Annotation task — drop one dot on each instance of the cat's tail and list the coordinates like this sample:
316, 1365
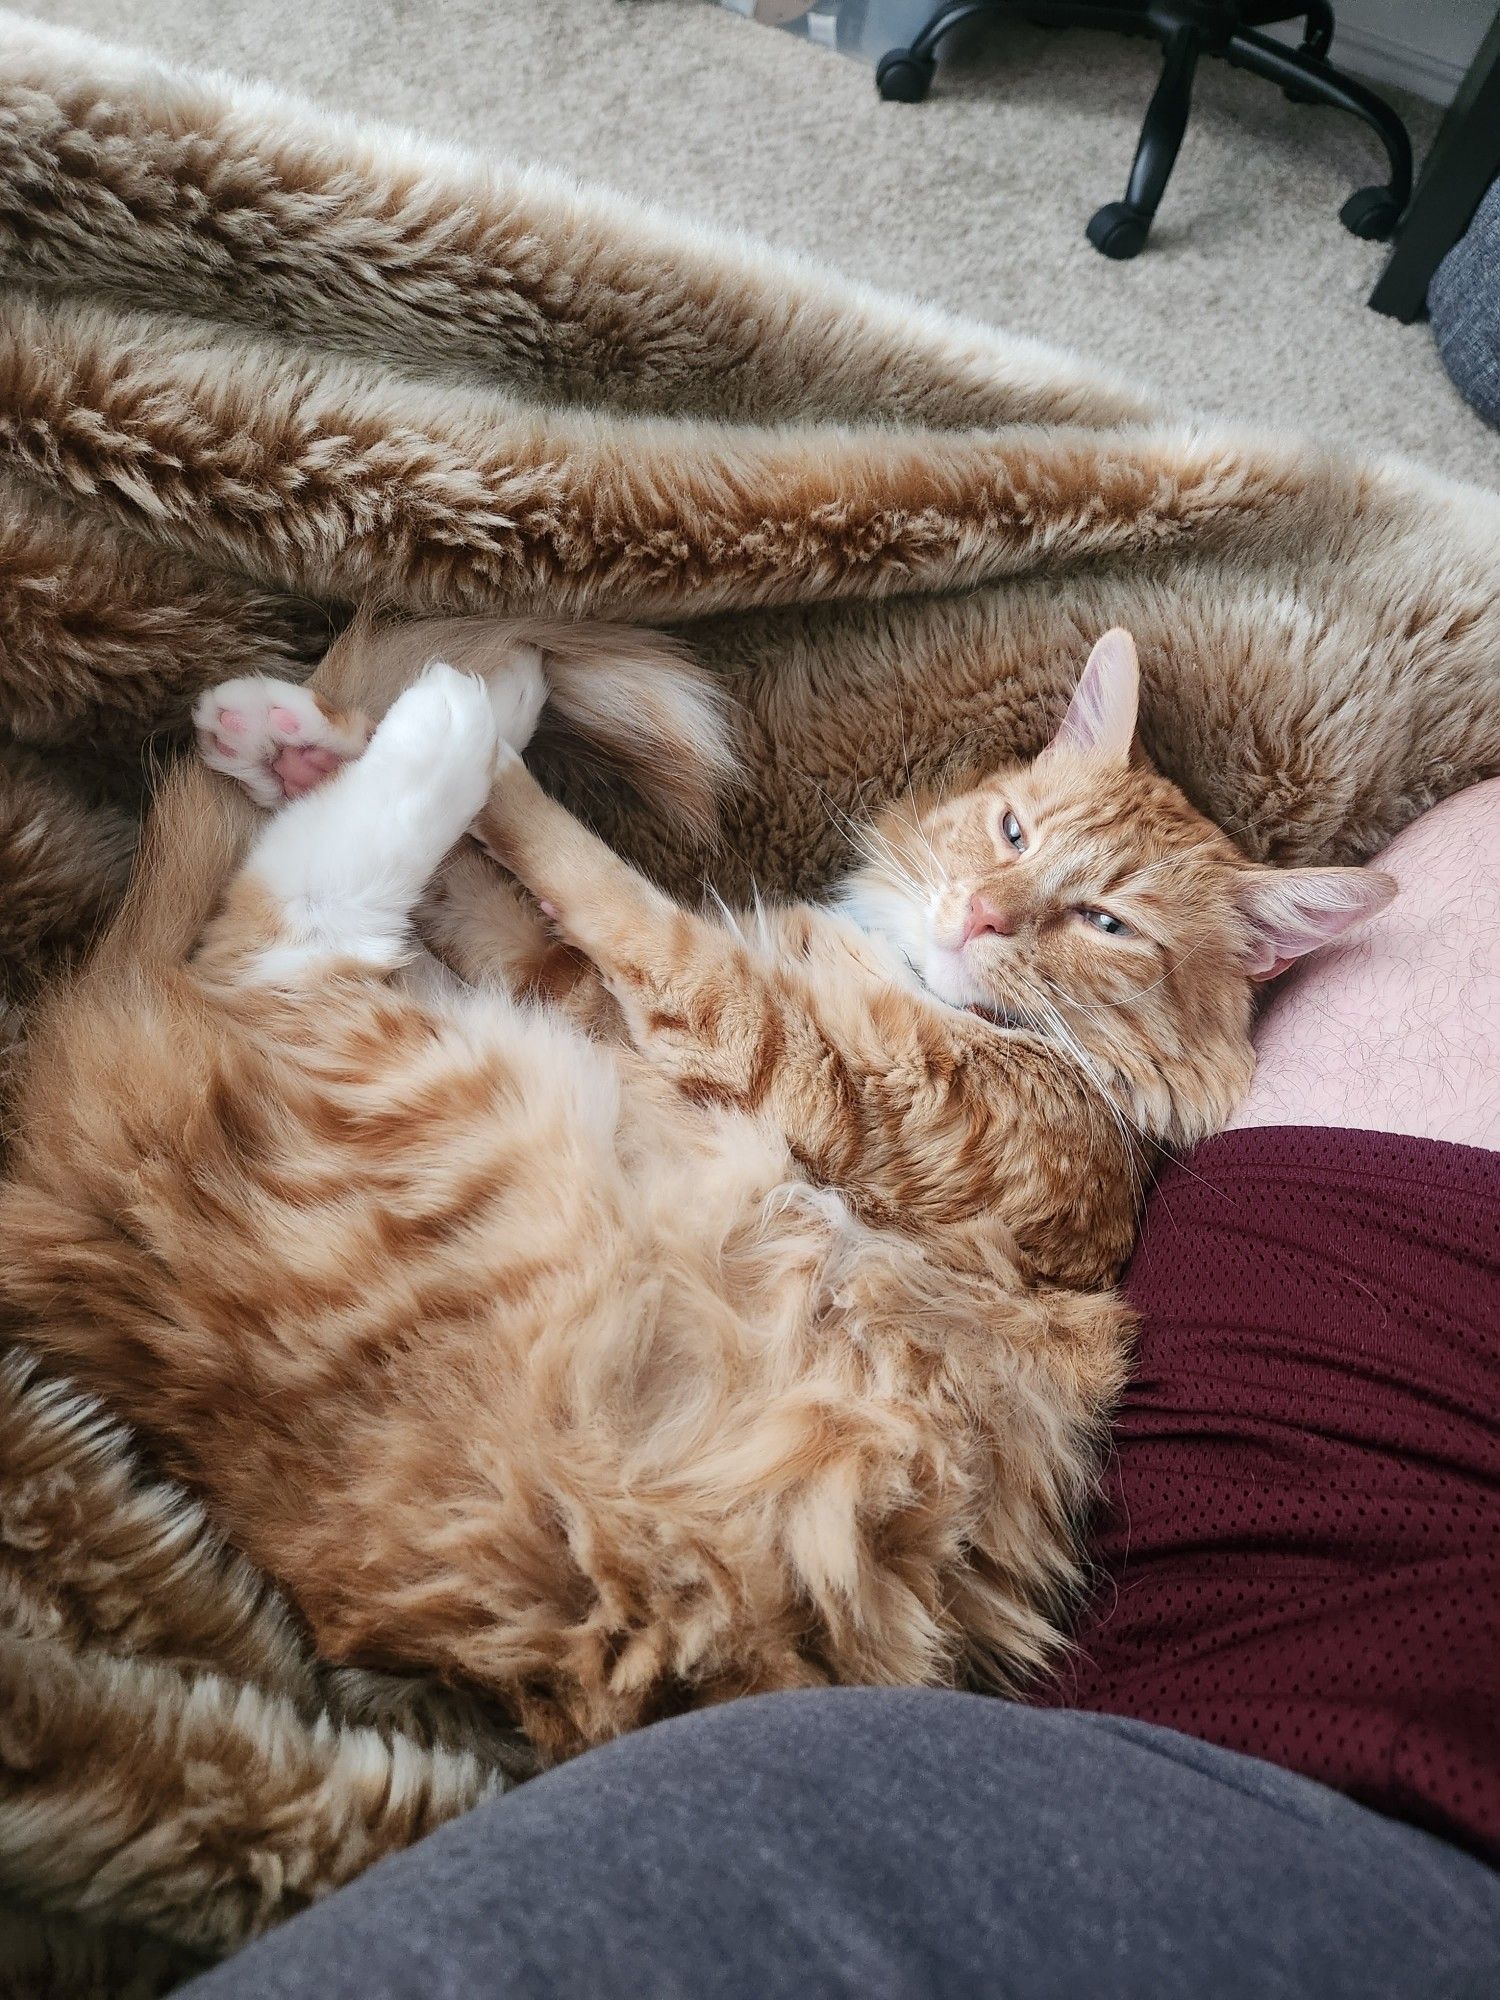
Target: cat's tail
633, 698
643, 701
196, 835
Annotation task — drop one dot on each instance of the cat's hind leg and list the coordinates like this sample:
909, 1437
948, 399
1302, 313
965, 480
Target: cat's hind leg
336, 874
274, 738
279, 740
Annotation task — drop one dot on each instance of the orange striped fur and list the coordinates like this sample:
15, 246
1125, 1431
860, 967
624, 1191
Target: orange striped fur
639, 1306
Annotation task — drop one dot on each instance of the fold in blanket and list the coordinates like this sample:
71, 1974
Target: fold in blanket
258, 364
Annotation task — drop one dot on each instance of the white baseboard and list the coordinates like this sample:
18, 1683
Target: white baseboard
1385, 60
1379, 58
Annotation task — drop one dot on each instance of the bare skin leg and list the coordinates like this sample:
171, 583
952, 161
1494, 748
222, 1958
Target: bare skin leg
1399, 1029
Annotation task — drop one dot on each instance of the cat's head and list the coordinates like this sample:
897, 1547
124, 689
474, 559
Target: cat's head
1082, 897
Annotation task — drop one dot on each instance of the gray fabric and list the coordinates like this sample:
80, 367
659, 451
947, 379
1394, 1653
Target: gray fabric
1464, 304
882, 1843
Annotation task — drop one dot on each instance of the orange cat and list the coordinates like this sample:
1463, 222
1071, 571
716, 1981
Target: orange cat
693, 1306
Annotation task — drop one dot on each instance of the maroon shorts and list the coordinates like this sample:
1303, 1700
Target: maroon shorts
1299, 1550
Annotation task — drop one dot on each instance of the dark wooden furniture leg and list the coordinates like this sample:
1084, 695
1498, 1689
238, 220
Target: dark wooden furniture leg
1465, 158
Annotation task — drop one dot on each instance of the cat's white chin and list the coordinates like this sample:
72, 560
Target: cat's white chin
885, 911
947, 976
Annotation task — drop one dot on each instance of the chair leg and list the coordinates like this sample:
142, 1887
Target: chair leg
1317, 36
1317, 40
1120, 228
904, 76
1370, 211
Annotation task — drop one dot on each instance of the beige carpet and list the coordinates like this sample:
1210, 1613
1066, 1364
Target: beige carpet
1249, 302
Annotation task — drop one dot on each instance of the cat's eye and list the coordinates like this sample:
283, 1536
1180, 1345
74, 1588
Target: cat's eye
1103, 921
1010, 826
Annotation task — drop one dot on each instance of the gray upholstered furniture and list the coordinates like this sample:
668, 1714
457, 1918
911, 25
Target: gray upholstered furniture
1464, 304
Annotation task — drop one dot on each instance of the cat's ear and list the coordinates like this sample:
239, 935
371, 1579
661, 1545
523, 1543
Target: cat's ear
1101, 715
1292, 911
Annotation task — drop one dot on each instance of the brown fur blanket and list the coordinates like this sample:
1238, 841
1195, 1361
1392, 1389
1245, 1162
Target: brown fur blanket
258, 364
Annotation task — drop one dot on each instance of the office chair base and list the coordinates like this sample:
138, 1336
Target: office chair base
1372, 213
1118, 230
1187, 30
902, 78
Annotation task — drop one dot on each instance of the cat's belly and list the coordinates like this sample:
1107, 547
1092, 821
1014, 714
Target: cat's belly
512, 1364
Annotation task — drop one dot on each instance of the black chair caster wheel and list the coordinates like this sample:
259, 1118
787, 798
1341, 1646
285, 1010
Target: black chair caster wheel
1371, 212
1119, 231
902, 78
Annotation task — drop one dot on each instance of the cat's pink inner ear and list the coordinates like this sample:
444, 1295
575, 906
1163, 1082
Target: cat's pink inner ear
1101, 716
1292, 911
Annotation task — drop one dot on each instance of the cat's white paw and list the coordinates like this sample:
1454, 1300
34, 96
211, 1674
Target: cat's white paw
273, 737
434, 754
348, 862
518, 694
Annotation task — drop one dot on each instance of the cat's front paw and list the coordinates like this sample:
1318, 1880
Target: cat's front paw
274, 738
501, 827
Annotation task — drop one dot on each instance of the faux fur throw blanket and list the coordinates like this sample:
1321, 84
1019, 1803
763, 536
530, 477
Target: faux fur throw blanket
258, 364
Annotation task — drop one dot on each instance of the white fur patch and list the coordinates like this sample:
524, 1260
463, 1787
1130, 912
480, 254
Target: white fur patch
889, 912
518, 693
347, 863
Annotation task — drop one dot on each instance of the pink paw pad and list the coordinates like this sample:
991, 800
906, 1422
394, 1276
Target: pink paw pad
275, 739
303, 767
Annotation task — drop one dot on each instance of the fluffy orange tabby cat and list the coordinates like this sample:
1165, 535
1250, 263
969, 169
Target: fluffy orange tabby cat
695, 1305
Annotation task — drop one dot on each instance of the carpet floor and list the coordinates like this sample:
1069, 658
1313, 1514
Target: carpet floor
1249, 302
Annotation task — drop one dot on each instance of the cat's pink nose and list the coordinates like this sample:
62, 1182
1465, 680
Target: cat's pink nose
988, 919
